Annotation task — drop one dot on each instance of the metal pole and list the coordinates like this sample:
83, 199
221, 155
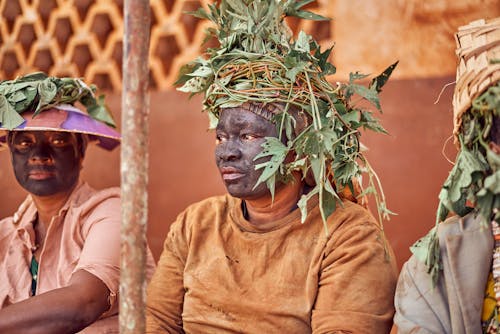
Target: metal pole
134, 165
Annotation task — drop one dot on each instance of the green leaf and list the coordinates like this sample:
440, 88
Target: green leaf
367, 191
47, 90
202, 71
16, 97
356, 76
200, 13
370, 122
455, 188
379, 81
29, 97
36, 76
341, 108
299, 4
493, 160
275, 149
100, 112
469, 163
292, 73
302, 43
213, 120
368, 94
421, 247
9, 118
193, 85
271, 185
326, 67
317, 166
302, 203
492, 182
329, 200
298, 164
295, 11
460, 207
344, 171
351, 117
328, 203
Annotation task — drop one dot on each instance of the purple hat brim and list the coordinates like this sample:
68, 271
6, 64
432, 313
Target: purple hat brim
74, 120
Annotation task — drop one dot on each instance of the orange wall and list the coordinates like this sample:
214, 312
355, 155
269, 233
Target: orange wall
409, 160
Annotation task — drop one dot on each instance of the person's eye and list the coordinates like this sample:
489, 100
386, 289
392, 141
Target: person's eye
59, 141
23, 143
219, 138
249, 136
26, 143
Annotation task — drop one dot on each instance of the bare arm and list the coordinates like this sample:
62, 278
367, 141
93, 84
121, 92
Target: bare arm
64, 310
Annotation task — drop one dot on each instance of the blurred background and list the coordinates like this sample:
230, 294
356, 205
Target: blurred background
83, 38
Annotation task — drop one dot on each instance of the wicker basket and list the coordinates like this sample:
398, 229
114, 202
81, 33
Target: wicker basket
478, 44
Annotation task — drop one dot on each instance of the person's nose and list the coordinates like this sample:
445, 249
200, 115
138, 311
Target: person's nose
229, 151
40, 155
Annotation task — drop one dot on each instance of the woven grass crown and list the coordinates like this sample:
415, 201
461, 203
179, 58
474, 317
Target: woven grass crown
478, 51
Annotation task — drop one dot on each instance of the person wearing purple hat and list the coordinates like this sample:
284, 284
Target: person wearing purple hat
60, 251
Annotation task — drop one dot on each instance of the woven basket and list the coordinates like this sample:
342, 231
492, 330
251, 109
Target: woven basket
478, 44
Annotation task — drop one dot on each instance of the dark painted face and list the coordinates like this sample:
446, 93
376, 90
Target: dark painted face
240, 135
45, 162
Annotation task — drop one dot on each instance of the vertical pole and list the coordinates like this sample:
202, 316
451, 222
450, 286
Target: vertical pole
134, 165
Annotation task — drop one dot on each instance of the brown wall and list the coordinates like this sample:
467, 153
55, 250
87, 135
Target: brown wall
409, 160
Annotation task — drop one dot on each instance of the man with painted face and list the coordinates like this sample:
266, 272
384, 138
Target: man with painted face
451, 284
59, 252
289, 249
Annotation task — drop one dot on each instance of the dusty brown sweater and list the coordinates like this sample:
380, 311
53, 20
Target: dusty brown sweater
220, 274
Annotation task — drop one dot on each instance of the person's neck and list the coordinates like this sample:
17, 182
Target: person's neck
264, 209
49, 206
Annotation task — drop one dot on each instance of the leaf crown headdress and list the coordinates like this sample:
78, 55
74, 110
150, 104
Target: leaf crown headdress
473, 184
259, 62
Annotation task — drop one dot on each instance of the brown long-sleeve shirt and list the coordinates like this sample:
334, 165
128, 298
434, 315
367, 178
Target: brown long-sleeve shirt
220, 274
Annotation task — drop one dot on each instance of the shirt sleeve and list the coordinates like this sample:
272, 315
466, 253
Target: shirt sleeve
357, 279
101, 250
415, 312
165, 294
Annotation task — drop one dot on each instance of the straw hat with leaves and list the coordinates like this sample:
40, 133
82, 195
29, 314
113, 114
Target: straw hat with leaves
38, 102
259, 65
473, 184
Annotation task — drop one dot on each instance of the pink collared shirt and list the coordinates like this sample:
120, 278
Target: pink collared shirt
84, 235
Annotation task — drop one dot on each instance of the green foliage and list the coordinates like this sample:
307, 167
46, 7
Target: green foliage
37, 92
474, 179
258, 60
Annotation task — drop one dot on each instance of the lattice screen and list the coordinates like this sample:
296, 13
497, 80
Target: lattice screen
83, 38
